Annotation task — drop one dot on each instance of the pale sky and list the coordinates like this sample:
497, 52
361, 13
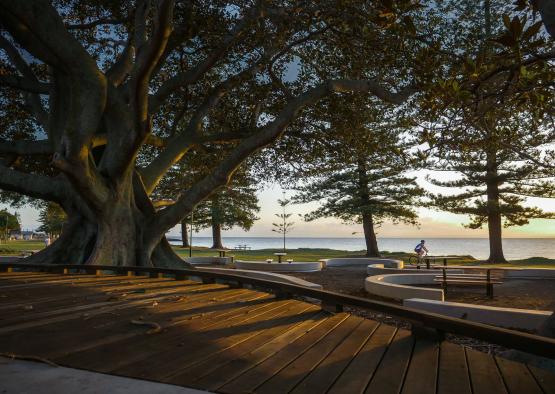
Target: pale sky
434, 224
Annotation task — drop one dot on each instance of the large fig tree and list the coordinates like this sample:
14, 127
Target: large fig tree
100, 99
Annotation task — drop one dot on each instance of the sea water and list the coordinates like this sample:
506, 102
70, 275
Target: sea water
514, 248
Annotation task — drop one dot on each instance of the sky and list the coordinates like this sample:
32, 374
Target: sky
433, 224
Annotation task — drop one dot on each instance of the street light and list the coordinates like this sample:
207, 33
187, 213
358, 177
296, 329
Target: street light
191, 237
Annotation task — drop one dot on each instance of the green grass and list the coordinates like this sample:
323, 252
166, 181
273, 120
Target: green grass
301, 254
16, 247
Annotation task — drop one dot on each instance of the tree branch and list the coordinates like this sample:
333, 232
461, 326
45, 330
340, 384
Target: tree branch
38, 186
24, 148
220, 176
24, 84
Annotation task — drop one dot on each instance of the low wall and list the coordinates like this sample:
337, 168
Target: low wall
388, 263
279, 267
263, 275
526, 319
530, 273
208, 260
10, 259
379, 269
398, 286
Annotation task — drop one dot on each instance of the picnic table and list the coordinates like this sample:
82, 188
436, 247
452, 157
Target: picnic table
242, 247
470, 280
221, 252
280, 255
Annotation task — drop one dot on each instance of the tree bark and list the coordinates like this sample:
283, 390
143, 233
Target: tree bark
494, 215
217, 236
367, 219
184, 234
370, 236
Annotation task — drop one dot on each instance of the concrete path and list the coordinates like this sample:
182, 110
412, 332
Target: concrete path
27, 377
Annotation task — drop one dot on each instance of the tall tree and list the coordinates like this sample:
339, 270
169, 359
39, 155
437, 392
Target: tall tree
490, 127
362, 176
118, 92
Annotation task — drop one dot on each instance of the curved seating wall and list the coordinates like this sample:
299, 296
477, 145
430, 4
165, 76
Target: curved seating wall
388, 263
279, 267
526, 319
208, 260
264, 275
398, 286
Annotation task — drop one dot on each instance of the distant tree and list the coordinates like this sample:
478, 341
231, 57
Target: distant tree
52, 218
284, 226
8, 222
232, 206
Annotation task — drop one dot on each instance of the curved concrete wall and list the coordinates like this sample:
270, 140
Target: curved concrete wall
398, 286
388, 263
208, 260
503, 317
263, 275
530, 273
279, 267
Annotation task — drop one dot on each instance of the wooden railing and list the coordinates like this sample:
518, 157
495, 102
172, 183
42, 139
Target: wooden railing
534, 344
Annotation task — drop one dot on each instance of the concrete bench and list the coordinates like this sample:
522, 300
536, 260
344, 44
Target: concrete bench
388, 263
398, 286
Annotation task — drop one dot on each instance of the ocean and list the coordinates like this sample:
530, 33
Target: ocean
514, 248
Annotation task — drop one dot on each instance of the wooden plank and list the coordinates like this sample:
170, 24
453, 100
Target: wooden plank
131, 352
174, 354
484, 375
45, 306
215, 371
390, 374
289, 377
321, 378
518, 379
58, 339
422, 372
238, 365
254, 377
356, 376
545, 378
91, 310
453, 376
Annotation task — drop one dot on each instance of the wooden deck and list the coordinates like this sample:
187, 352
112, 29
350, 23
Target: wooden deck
234, 340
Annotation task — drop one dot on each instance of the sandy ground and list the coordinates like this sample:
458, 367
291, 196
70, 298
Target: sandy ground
525, 294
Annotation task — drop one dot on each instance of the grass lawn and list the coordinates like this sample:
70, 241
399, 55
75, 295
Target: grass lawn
303, 254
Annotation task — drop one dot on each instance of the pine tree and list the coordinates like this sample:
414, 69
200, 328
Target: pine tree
284, 225
8, 222
362, 175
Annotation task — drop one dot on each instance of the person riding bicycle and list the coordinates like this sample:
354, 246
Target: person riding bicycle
421, 250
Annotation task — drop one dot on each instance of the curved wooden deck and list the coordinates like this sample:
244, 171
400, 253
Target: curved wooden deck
235, 340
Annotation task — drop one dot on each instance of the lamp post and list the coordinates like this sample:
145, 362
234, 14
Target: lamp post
191, 236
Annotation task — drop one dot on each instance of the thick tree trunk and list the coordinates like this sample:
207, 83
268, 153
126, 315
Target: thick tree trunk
217, 236
494, 221
367, 219
184, 234
370, 236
